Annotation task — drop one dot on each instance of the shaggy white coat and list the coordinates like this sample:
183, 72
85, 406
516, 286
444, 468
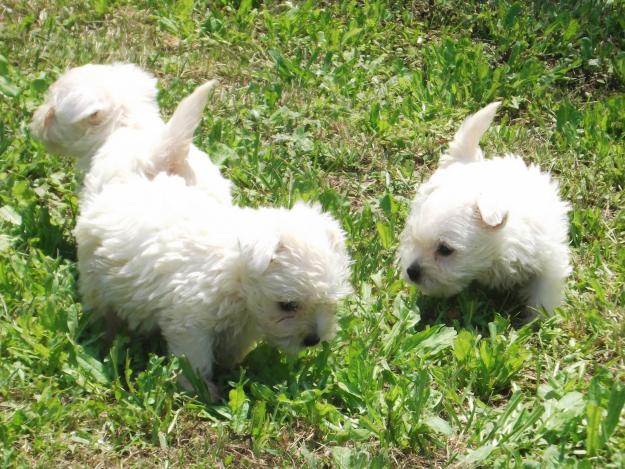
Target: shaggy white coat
497, 221
214, 279
107, 117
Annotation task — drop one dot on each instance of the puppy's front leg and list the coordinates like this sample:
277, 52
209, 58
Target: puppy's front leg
196, 344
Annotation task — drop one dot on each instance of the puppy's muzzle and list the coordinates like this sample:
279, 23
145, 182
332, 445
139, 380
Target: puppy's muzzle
414, 272
311, 340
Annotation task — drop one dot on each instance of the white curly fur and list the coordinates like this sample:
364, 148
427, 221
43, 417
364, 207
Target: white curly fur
161, 254
96, 112
504, 222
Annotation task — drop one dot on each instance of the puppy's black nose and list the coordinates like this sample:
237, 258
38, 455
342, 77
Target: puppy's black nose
310, 340
414, 272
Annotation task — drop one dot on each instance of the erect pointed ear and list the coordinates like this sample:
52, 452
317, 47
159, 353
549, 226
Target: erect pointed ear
305, 207
336, 235
331, 226
490, 212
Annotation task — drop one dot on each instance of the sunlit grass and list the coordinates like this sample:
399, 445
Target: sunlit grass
348, 104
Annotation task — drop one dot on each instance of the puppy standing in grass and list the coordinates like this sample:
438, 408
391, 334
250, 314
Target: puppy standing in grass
213, 278
498, 221
96, 112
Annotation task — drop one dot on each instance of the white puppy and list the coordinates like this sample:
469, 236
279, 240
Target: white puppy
213, 279
495, 221
95, 113
88, 103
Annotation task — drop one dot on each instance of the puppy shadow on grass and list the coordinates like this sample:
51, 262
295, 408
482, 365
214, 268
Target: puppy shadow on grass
119, 351
119, 346
264, 365
270, 368
100, 336
53, 239
473, 308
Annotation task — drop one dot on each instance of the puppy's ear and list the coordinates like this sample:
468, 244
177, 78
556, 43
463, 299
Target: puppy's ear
95, 118
336, 236
465, 147
304, 207
92, 115
178, 134
42, 120
258, 250
48, 118
490, 213
333, 230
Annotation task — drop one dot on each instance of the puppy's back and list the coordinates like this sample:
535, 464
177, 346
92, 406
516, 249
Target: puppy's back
139, 240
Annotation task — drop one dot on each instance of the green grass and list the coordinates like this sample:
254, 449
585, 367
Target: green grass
350, 104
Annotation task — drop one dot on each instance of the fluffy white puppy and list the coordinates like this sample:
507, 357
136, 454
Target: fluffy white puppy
213, 279
97, 113
169, 148
88, 103
497, 221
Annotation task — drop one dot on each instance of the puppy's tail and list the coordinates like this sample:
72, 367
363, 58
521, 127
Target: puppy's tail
177, 136
465, 146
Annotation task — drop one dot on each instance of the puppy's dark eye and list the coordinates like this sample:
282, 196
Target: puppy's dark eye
444, 250
288, 306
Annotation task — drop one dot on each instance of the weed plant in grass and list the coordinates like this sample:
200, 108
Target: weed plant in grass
349, 104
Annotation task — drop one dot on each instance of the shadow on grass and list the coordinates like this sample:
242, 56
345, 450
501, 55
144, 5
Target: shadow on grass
53, 240
265, 367
269, 368
472, 309
102, 343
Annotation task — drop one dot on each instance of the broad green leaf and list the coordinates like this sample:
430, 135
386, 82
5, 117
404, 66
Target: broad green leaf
350, 34
511, 15
571, 30
239, 405
387, 203
443, 338
570, 406
593, 427
91, 365
478, 455
386, 234
258, 424
6, 242
8, 88
438, 425
9, 214
244, 7
615, 406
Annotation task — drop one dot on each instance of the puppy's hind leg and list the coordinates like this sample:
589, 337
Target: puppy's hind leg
544, 291
196, 345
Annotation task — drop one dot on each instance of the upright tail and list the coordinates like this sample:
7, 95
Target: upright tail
465, 146
177, 136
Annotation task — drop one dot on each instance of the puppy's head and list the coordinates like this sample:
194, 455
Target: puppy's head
86, 104
454, 233
296, 270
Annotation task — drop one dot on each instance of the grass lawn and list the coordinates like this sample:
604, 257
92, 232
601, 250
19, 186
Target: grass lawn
349, 104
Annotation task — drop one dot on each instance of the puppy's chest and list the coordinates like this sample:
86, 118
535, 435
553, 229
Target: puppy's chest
233, 343
507, 274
